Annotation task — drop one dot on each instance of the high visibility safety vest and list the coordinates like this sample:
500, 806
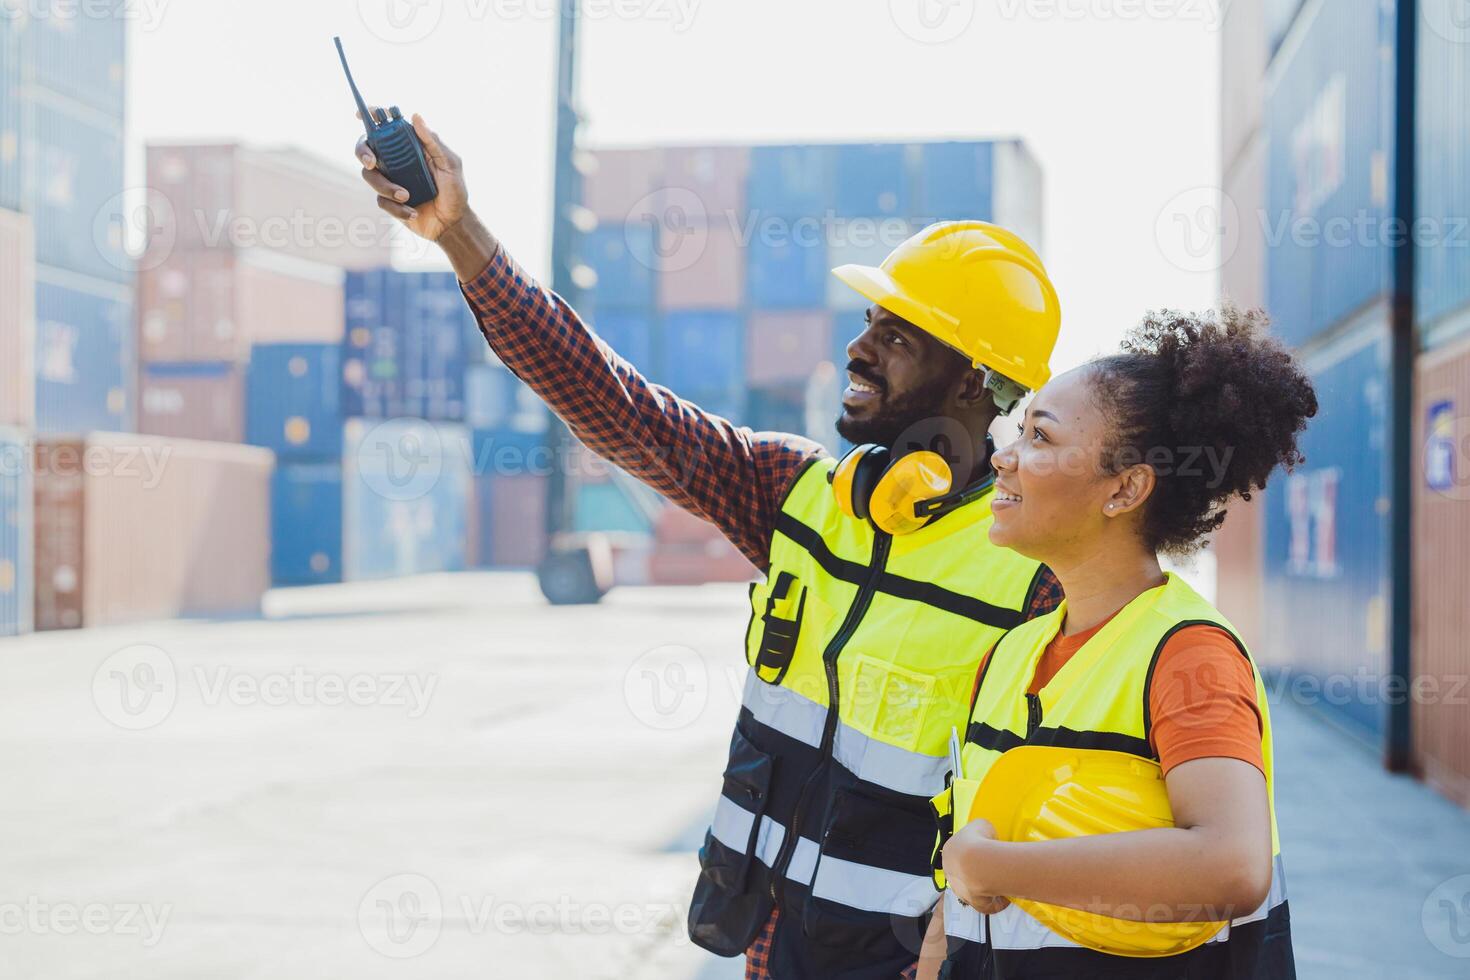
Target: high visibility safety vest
825, 813
1099, 700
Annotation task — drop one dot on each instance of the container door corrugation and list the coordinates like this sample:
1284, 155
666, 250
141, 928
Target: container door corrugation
84, 356
17, 321
1327, 536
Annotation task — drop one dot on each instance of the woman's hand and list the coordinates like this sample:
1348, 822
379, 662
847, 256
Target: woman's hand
964, 866
431, 219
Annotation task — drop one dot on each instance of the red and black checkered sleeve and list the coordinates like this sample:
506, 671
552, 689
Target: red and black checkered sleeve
726, 474
1046, 594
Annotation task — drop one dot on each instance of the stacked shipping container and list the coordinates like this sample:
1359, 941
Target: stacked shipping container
130, 528
249, 247
61, 162
1307, 144
1441, 717
1320, 183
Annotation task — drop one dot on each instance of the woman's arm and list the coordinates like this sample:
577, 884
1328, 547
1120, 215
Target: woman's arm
935, 948
1214, 864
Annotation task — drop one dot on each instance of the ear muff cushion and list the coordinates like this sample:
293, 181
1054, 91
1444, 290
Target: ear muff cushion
842, 479
908, 480
854, 478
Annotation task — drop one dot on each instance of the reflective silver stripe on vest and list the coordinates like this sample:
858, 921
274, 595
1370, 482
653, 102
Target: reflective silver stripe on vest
961, 922
1018, 930
856, 885
866, 758
731, 827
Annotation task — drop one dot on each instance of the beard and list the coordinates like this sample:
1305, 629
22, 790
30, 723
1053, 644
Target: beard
897, 414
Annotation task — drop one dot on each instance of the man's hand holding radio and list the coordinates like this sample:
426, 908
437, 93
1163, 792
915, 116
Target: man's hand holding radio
446, 219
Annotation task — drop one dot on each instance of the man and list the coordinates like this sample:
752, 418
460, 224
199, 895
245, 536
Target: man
863, 644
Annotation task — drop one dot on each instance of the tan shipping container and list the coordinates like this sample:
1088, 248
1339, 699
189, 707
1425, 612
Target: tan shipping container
702, 266
17, 321
224, 197
621, 179
1441, 656
132, 528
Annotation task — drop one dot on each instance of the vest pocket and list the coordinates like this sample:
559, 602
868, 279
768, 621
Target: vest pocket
778, 608
873, 883
727, 910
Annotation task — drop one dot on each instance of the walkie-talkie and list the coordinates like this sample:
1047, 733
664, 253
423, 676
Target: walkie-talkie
395, 144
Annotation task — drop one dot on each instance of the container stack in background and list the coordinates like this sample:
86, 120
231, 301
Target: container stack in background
71, 102
1307, 138
713, 277
249, 247
1309, 175
1441, 733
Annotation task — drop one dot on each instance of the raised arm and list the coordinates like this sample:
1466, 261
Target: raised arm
721, 472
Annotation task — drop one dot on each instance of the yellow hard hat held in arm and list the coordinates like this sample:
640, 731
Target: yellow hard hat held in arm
976, 287
1042, 792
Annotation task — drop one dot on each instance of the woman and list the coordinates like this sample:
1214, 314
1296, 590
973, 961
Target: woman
1118, 461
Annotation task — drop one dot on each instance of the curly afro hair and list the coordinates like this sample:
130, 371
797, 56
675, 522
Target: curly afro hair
1213, 405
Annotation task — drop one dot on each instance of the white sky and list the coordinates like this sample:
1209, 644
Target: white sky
1118, 99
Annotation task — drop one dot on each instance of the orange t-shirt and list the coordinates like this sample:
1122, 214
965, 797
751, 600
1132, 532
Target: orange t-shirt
1202, 701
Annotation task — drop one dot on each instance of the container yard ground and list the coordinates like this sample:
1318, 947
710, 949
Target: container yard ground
508, 781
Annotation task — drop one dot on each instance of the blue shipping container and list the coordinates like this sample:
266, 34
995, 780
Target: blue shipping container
405, 498
16, 528
608, 506
9, 116
1443, 179
787, 268
509, 452
631, 334
84, 360
408, 341
437, 329
1329, 119
624, 259
74, 176
703, 351
1327, 538
293, 400
955, 181
790, 181
306, 523
873, 180
74, 52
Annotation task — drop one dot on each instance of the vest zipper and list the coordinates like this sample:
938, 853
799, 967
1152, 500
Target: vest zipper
1033, 714
882, 542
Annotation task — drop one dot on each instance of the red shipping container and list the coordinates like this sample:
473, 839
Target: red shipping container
518, 520
214, 305
689, 551
186, 309
701, 266
17, 321
712, 176
1441, 657
786, 346
133, 528
621, 180
192, 401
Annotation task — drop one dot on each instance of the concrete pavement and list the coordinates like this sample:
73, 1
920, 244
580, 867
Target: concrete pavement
440, 778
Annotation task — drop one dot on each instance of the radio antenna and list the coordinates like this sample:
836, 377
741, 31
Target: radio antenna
368, 123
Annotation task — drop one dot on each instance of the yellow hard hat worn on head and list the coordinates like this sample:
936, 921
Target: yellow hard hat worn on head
976, 287
1038, 792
